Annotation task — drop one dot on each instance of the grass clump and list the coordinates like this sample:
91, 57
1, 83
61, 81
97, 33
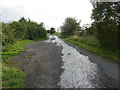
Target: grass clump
92, 45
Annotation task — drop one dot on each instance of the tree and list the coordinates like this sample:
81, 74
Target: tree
107, 21
69, 27
48, 31
88, 29
52, 30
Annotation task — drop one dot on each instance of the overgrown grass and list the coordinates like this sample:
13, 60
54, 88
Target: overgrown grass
14, 49
12, 77
92, 45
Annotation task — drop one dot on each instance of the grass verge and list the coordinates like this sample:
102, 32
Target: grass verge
104, 52
12, 77
14, 49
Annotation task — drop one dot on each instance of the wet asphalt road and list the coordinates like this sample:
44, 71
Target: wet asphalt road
42, 64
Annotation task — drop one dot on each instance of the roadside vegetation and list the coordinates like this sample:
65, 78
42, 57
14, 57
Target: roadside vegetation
101, 37
15, 35
58, 34
94, 48
12, 77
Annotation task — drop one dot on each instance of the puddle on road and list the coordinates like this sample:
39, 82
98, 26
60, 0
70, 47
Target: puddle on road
79, 71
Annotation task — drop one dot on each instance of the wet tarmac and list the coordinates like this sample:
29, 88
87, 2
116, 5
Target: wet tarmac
79, 71
56, 64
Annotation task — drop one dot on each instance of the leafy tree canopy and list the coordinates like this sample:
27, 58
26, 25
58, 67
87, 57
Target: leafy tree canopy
69, 26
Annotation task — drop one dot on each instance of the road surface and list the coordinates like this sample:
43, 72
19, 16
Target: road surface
57, 64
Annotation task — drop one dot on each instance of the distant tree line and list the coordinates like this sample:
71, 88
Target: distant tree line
22, 30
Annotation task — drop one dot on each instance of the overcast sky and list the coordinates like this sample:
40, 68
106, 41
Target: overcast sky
51, 12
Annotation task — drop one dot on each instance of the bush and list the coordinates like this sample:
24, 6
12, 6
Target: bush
22, 30
107, 34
